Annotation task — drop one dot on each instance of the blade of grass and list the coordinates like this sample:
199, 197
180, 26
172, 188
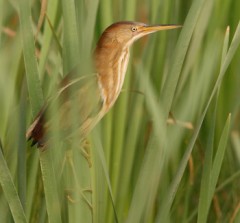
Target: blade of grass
54, 35
225, 45
36, 100
170, 84
10, 191
22, 159
153, 160
70, 36
1, 20
105, 7
206, 175
196, 42
41, 17
118, 136
48, 34
32, 176
50, 186
34, 85
217, 163
206, 186
129, 10
89, 27
230, 180
100, 163
128, 157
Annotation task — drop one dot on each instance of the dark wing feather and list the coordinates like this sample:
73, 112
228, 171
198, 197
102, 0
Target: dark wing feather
36, 131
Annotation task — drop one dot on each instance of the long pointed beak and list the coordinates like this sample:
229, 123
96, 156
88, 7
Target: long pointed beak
150, 29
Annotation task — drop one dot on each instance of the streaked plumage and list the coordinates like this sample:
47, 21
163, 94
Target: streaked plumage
91, 97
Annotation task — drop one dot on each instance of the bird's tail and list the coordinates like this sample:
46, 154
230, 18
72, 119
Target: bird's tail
35, 132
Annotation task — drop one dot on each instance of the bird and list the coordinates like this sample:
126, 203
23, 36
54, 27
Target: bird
90, 97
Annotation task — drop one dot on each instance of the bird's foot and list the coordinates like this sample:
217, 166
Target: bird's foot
73, 196
85, 150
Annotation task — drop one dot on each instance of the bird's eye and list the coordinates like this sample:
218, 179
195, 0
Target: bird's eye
134, 29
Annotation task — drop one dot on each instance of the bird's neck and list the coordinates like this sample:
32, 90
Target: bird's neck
111, 65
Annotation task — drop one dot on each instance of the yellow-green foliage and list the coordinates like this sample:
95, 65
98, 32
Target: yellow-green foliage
168, 151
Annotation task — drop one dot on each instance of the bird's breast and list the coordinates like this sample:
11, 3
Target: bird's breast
111, 76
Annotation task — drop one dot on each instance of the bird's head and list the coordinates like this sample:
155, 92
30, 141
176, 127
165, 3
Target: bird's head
125, 33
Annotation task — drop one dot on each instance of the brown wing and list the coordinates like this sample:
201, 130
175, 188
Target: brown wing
36, 130
75, 107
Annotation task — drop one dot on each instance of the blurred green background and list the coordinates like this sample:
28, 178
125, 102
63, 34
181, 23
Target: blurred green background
168, 151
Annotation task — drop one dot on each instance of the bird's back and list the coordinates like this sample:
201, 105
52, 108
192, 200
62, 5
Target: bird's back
74, 109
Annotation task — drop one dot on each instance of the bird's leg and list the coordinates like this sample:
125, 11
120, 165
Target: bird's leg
85, 150
83, 193
76, 192
173, 121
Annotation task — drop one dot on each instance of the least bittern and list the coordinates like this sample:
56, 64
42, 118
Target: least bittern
92, 97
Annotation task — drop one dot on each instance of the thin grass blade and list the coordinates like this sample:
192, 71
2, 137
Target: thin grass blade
206, 187
100, 163
33, 82
70, 36
217, 163
10, 191
170, 84
48, 34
